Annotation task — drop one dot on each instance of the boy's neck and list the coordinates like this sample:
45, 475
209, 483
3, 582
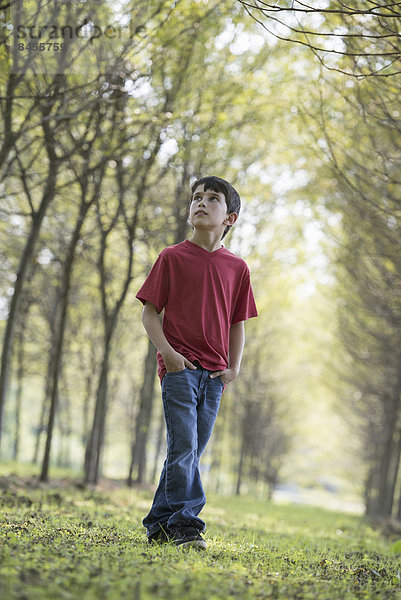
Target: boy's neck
207, 240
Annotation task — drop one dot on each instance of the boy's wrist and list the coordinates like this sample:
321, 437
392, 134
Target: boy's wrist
165, 349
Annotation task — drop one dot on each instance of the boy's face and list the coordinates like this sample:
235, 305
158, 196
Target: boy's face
208, 210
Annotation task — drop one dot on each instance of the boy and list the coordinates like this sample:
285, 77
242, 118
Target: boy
206, 294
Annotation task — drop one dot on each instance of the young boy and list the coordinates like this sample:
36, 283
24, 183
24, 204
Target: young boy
206, 295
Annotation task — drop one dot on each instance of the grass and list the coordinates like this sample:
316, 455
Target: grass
65, 542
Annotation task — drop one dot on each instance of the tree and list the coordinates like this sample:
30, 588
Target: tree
94, 172
367, 34
358, 131
370, 329
37, 216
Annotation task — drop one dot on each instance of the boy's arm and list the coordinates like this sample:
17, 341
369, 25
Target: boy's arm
235, 350
173, 360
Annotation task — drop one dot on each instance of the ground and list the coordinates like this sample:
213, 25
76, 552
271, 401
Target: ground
62, 541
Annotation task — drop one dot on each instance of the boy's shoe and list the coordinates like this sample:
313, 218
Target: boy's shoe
187, 535
159, 537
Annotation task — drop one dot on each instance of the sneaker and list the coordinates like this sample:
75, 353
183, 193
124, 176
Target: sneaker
187, 535
159, 537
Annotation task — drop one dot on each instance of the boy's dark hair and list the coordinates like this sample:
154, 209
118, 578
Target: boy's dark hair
216, 184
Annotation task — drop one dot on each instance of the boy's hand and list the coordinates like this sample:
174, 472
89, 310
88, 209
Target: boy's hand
226, 376
174, 361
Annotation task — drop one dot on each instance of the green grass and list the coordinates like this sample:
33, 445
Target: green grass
63, 542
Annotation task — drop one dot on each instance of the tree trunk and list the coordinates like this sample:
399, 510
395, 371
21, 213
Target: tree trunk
93, 448
159, 441
65, 427
244, 446
18, 396
87, 398
37, 219
142, 424
57, 364
9, 136
49, 370
15, 304
380, 498
388, 490
398, 514
396, 470
382, 505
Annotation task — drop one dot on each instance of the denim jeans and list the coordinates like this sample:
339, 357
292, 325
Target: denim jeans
191, 401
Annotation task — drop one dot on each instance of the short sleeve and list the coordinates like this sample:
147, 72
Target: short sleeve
155, 286
245, 307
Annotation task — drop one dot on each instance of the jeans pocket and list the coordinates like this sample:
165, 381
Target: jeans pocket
223, 385
176, 372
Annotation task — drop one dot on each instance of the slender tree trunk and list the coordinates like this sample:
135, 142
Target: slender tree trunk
159, 441
18, 396
104, 406
398, 513
270, 477
65, 290
396, 454
110, 318
40, 429
244, 446
388, 471
384, 501
93, 449
142, 425
66, 426
37, 219
50, 359
382, 482
9, 136
215, 468
387, 492
87, 398
15, 304
397, 460
369, 490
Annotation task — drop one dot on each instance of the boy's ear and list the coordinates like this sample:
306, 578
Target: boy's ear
230, 219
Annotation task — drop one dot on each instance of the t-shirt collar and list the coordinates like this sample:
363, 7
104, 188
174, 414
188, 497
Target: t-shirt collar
196, 246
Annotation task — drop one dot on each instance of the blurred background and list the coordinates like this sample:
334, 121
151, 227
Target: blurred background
108, 112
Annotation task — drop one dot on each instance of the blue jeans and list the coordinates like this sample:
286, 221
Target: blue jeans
191, 401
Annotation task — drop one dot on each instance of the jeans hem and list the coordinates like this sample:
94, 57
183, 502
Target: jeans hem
155, 528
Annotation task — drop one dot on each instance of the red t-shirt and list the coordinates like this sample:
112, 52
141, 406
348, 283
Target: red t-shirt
203, 293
